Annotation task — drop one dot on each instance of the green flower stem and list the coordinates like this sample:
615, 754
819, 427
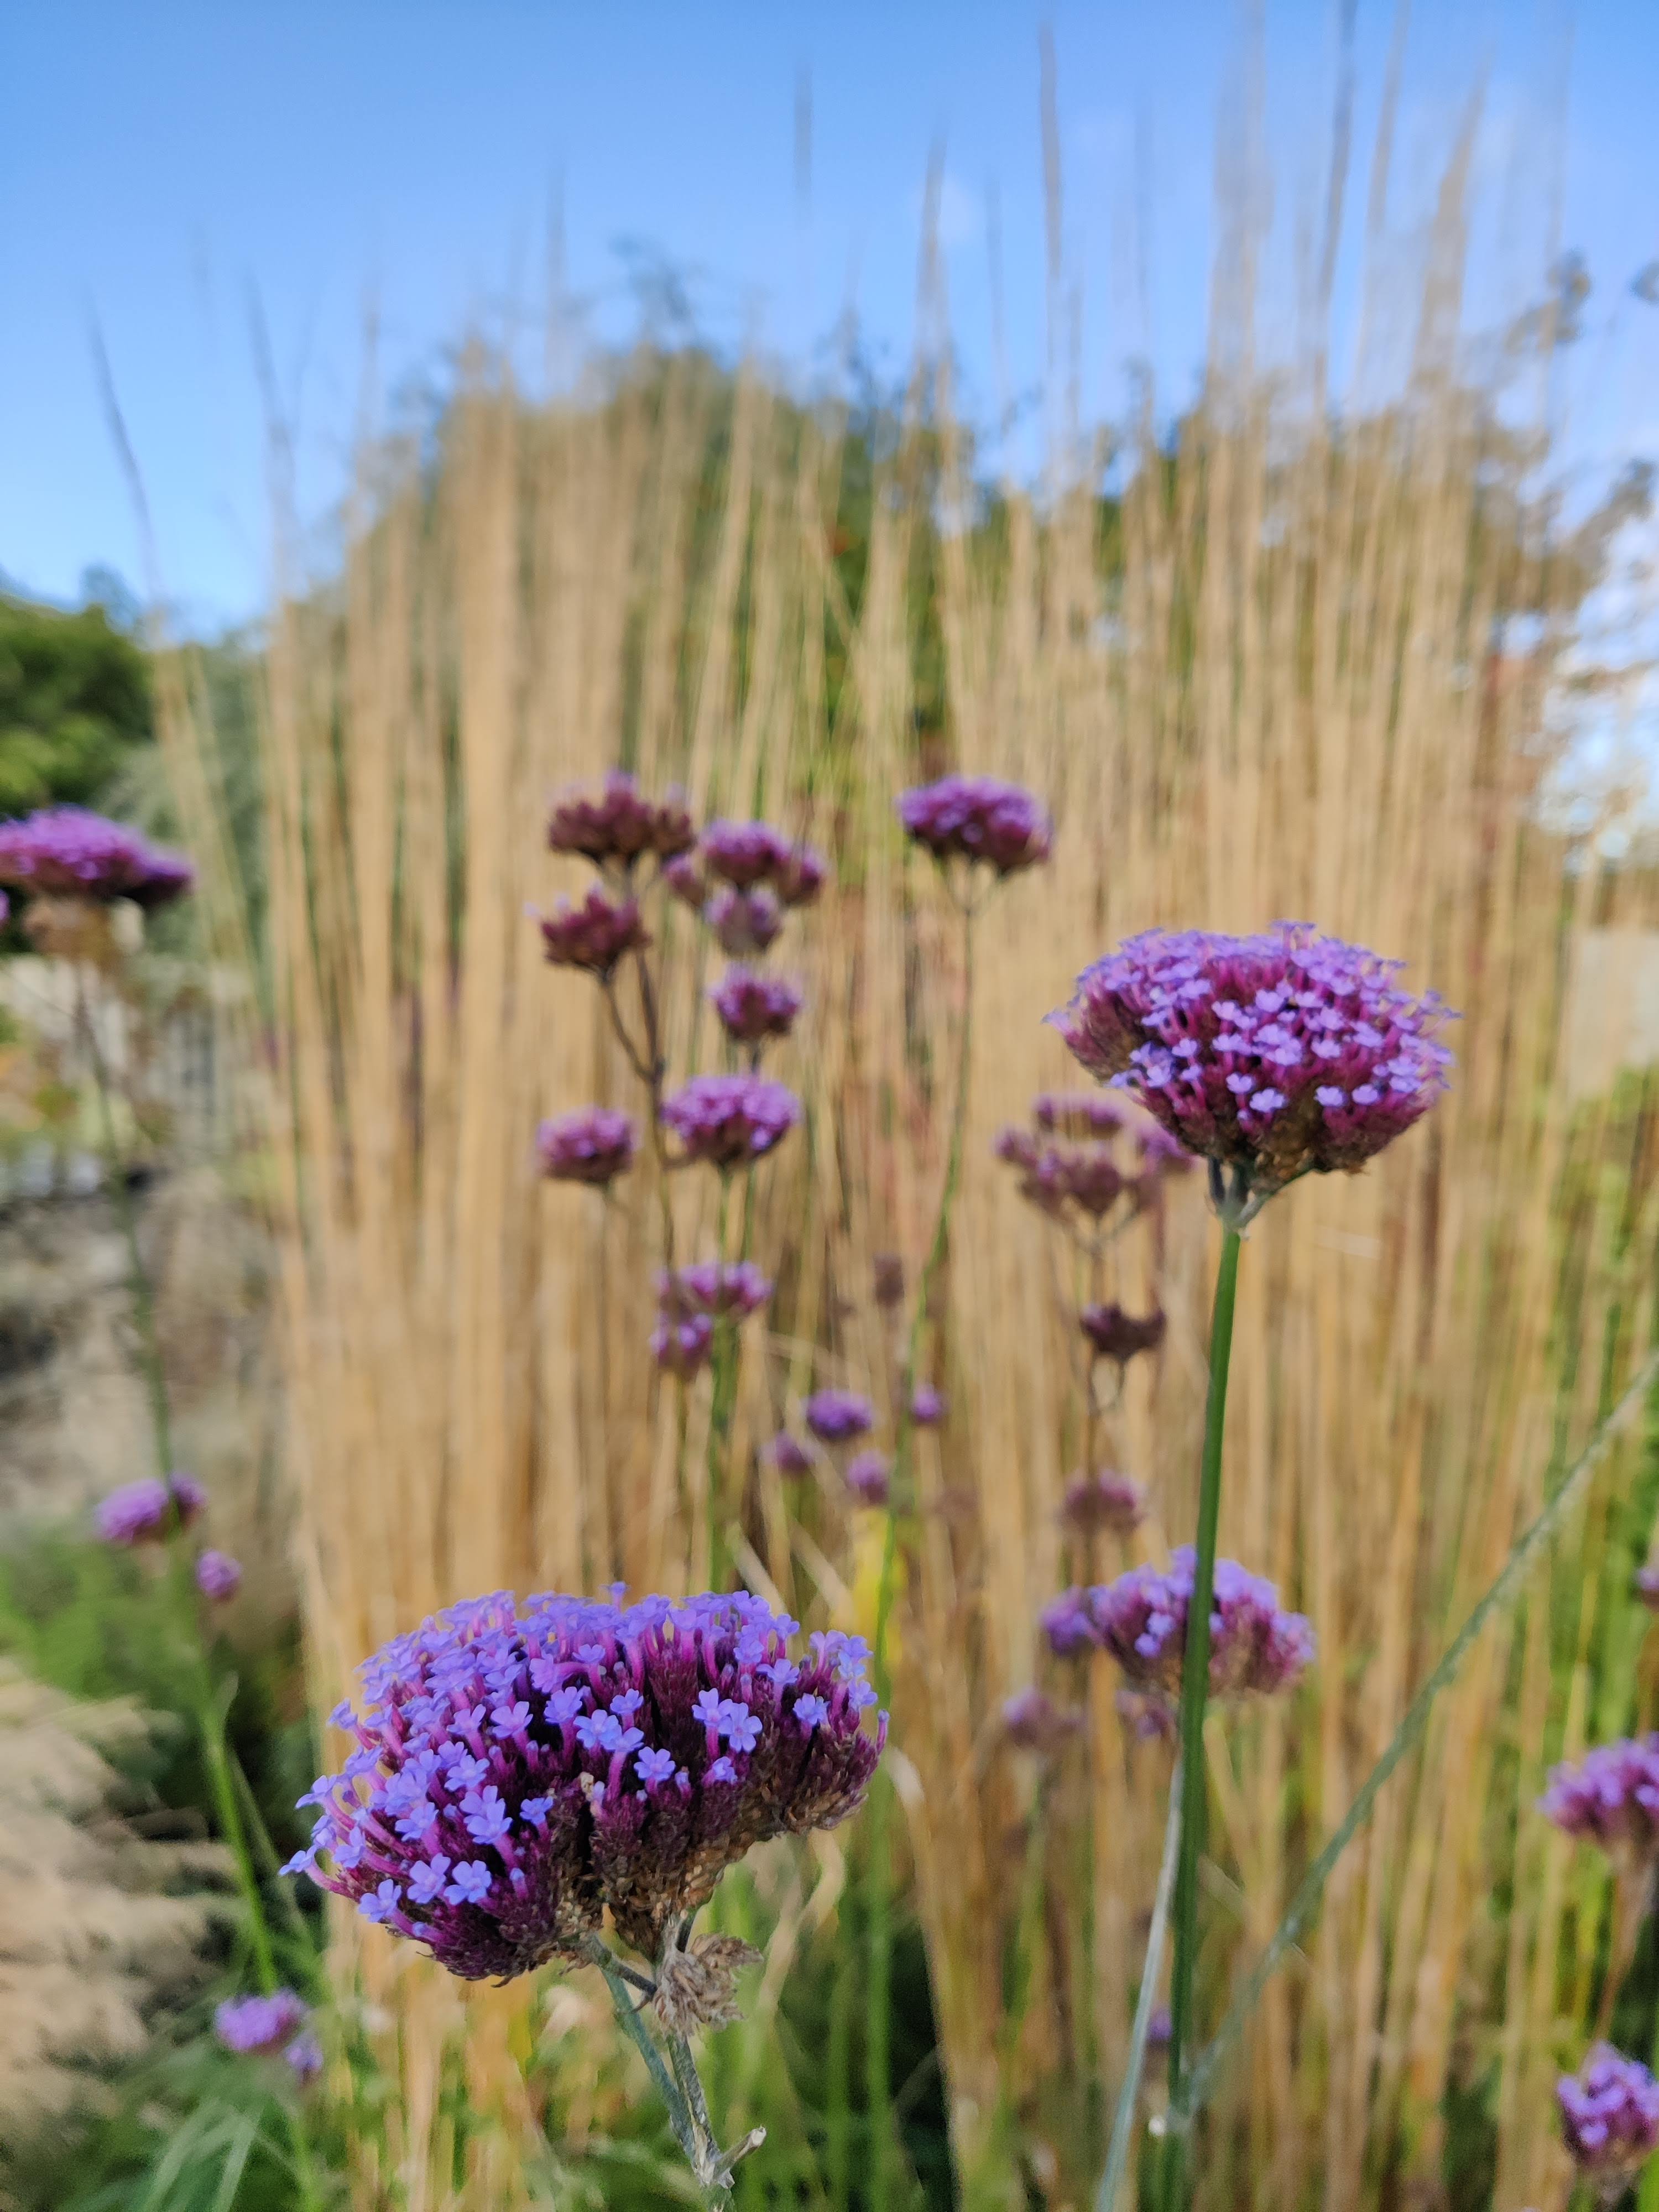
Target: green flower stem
1195, 1697
633, 2027
1123, 2122
1201, 2079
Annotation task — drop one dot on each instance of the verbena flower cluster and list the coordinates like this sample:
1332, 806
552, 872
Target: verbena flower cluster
1141, 1620
747, 854
1609, 2114
726, 1120
594, 1145
519, 1769
744, 923
754, 1007
977, 818
868, 1474
691, 1300
927, 1405
1611, 1798
595, 936
836, 1417
1275, 1055
621, 826
1119, 1336
250, 2026
144, 1511
66, 851
787, 1454
1032, 1722
1069, 1165
218, 1576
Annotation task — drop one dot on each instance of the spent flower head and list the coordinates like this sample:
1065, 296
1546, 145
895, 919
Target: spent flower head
594, 1144
595, 936
521, 1767
621, 824
754, 1007
1271, 1056
725, 1119
67, 852
1609, 2116
836, 1417
977, 818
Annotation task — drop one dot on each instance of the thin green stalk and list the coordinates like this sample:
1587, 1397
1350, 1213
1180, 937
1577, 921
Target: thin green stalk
1128, 2096
633, 2027
1195, 1693
1202, 2078
838, 2063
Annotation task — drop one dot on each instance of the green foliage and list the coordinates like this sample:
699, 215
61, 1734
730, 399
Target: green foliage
75, 704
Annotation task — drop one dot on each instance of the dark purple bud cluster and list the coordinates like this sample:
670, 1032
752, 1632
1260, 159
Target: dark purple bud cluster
145, 1511
1273, 1055
727, 1120
1141, 1620
836, 1417
754, 1007
787, 1454
868, 1477
621, 826
691, 1301
1069, 1165
747, 854
1103, 1499
594, 1144
595, 936
519, 1769
67, 853
1119, 1336
1033, 1722
1609, 2116
1611, 1798
977, 818
744, 923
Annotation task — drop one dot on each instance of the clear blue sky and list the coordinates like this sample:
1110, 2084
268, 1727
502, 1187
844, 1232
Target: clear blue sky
162, 162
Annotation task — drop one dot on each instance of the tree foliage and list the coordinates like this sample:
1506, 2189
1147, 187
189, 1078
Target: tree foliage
75, 703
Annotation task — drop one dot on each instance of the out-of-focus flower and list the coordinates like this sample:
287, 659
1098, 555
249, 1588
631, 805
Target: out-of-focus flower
620, 825
836, 1417
1077, 1113
519, 1769
1103, 1499
1611, 1798
685, 879
594, 936
1646, 1587
145, 1510
1057, 1172
753, 1007
868, 1474
218, 1576
1273, 1056
887, 1279
681, 1341
1158, 2029
1121, 1336
1150, 1718
927, 1405
594, 1144
691, 1301
743, 922
250, 2024
1609, 2116
746, 854
725, 1119
787, 1454
305, 2055
66, 851
1141, 1620
977, 818
1033, 1722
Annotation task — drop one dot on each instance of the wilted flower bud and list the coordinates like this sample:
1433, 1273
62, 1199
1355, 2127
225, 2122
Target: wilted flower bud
1119, 1336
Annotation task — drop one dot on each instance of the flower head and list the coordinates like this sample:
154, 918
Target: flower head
1118, 1335
258, 2024
143, 1512
753, 1007
927, 1405
977, 818
744, 922
304, 2056
1609, 2114
868, 1474
1077, 1113
661, 1741
836, 1417
691, 1302
1102, 1500
218, 1576
66, 851
1611, 1798
594, 1144
1141, 1620
1272, 1055
620, 825
1055, 1173
727, 1119
593, 936
746, 854
788, 1454
1032, 1722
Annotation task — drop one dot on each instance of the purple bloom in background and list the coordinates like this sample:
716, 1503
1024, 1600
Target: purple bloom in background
684, 877
1141, 1620
744, 922
1273, 1055
144, 1511
218, 1576
247, 2024
752, 1007
594, 1145
1103, 1499
583, 1817
926, 1406
680, 1341
836, 1417
1150, 1719
977, 818
1055, 1172
691, 1302
1033, 1722
1118, 1335
867, 1477
887, 1275
788, 1454
1646, 1587
66, 851
1077, 1113
593, 936
1158, 2029
725, 1119
1611, 1798
747, 854
1068, 1622
1609, 2116
620, 825
305, 2055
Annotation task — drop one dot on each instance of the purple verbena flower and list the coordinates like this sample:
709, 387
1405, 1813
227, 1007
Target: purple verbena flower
927, 1405
747, 854
1609, 2116
1103, 1499
66, 851
691, 1302
247, 2024
218, 1576
977, 818
664, 1740
1032, 1722
593, 936
1115, 1334
620, 825
147, 1510
788, 1454
1077, 1113
867, 1477
1611, 1798
753, 1007
1055, 1173
594, 1144
684, 878
743, 922
725, 1119
836, 1417
1273, 1055
1141, 1620
304, 2056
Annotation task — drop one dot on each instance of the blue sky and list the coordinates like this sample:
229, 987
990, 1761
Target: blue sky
164, 164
